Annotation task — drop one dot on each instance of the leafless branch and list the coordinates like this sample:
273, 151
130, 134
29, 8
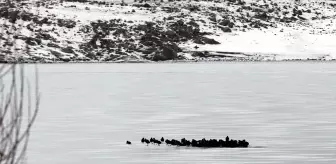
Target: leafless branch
17, 114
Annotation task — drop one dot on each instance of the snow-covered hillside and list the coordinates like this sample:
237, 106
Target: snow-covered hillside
111, 31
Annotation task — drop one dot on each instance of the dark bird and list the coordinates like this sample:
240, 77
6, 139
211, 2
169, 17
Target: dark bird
128, 142
168, 142
196, 47
157, 142
147, 141
162, 139
143, 140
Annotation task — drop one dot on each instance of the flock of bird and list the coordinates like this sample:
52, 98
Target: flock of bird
211, 143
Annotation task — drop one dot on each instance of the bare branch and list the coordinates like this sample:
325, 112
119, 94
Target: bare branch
14, 131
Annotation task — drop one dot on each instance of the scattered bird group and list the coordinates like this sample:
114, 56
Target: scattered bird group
199, 143
152, 140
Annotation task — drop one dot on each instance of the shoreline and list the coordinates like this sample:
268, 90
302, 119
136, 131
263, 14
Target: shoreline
179, 62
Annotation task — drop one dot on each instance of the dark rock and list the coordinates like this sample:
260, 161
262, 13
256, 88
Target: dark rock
181, 57
299, 12
288, 19
209, 41
141, 27
246, 7
148, 43
259, 24
111, 57
13, 16
193, 8
65, 59
146, 5
149, 50
16, 37
198, 54
91, 55
226, 29
171, 9
4, 12
68, 50
99, 54
68, 23
56, 53
167, 54
225, 22
198, 41
213, 17
294, 19
120, 31
193, 24
184, 30
302, 18
170, 18
270, 10
50, 44
7, 43
174, 47
241, 2
158, 57
26, 16
231, 24
45, 36
33, 41
150, 40
262, 16
205, 40
239, 10
172, 35
43, 21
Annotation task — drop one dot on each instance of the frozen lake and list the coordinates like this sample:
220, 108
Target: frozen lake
88, 111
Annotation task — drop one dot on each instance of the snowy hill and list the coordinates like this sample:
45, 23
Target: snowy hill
136, 31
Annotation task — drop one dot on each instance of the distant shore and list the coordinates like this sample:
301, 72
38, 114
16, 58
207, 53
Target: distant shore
88, 31
180, 62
